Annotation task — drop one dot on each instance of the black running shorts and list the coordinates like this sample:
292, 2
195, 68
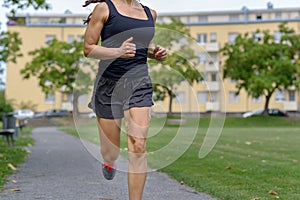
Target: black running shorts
113, 96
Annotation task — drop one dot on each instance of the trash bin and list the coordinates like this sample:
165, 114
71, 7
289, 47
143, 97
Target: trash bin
9, 122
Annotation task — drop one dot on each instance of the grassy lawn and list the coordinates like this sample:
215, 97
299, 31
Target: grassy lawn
252, 157
12, 156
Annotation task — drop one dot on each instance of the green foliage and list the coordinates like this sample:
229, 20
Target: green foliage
13, 156
15, 5
10, 46
5, 106
55, 65
10, 41
261, 67
168, 33
179, 66
58, 68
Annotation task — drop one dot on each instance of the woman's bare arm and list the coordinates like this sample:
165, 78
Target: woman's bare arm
92, 36
159, 53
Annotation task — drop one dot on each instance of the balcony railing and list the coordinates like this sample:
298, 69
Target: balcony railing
212, 46
212, 67
290, 106
212, 86
212, 106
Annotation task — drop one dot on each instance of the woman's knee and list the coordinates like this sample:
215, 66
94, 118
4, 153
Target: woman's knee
138, 145
110, 154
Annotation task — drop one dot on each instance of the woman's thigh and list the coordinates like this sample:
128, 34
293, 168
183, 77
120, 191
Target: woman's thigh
109, 132
137, 121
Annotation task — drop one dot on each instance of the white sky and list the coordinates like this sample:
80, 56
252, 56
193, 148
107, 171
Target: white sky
186, 5
59, 6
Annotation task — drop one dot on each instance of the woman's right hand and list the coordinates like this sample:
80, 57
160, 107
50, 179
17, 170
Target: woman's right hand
128, 48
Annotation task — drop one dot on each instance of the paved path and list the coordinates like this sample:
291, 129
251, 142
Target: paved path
60, 168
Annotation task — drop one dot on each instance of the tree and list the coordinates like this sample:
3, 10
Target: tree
263, 65
9, 48
5, 105
10, 41
57, 68
179, 66
15, 5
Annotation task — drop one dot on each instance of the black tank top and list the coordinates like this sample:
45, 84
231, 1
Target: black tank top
116, 30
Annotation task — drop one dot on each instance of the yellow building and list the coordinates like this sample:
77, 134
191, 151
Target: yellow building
35, 31
212, 30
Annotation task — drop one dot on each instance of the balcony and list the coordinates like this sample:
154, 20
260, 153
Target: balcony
212, 66
290, 106
212, 47
212, 106
212, 86
67, 105
292, 88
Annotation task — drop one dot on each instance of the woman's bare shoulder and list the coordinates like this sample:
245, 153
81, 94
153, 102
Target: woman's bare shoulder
101, 11
101, 7
154, 14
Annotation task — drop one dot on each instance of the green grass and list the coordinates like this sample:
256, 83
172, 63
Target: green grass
13, 155
252, 156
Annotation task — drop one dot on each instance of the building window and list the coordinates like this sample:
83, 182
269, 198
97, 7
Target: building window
292, 96
202, 97
159, 19
233, 97
182, 41
213, 96
49, 38
257, 100
213, 57
277, 36
83, 99
205, 75
234, 18
180, 97
259, 17
79, 38
279, 96
213, 37
202, 38
232, 37
184, 19
70, 98
278, 15
232, 80
214, 77
202, 58
50, 98
203, 19
70, 38
257, 37
43, 21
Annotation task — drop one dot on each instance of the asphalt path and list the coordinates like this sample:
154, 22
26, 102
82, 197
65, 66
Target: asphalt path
60, 167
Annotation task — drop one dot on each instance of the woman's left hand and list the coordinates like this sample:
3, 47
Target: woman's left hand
160, 53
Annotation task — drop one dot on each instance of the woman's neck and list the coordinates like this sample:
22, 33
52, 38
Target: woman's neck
130, 2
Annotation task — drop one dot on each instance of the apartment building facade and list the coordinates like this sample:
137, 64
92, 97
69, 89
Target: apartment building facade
211, 31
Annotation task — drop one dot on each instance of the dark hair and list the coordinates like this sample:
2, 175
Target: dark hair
88, 2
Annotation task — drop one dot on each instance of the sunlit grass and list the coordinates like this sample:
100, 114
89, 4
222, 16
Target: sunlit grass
252, 157
13, 156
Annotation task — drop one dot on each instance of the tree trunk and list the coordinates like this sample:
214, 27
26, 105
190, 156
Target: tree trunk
75, 103
268, 97
170, 102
